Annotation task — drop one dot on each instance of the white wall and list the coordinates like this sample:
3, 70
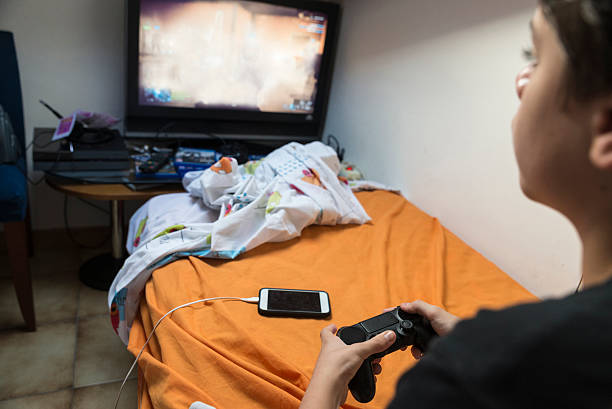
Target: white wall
422, 99
70, 54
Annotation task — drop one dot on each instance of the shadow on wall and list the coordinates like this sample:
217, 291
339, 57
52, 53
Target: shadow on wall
393, 24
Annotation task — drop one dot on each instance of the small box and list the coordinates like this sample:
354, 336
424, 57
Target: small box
189, 159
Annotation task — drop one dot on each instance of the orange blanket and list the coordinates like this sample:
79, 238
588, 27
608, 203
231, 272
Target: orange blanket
226, 355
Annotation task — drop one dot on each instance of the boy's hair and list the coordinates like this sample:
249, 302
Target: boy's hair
584, 27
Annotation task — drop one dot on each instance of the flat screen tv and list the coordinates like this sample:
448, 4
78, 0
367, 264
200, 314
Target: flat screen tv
248, 69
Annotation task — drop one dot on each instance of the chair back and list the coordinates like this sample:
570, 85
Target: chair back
10, 85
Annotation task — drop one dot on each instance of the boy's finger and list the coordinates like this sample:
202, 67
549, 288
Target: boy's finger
329, 331
374, 345
419, 307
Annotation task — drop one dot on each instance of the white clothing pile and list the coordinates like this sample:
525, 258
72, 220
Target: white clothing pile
230, 209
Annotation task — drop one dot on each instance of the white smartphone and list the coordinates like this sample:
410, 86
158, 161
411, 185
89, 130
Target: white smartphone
285, 302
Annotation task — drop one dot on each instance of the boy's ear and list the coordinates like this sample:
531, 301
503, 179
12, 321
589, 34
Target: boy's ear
601, 145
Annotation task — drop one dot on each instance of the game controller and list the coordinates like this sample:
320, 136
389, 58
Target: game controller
410, 329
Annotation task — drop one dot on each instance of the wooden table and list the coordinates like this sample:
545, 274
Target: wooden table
99, 272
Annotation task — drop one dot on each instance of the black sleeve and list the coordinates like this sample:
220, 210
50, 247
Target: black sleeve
430, 385
554, 354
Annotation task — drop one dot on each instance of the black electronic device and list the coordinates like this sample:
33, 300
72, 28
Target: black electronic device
250, 70
283, 302
67, 155
155, 162
410, 329
83, 135
81, 161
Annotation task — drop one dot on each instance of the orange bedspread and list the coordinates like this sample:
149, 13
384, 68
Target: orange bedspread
226, 355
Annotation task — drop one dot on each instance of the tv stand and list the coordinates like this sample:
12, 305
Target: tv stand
240, 149
100, 271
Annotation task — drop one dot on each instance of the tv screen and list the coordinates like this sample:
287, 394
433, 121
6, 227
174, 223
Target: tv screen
229, 66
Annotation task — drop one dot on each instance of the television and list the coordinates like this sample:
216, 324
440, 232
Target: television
244, 69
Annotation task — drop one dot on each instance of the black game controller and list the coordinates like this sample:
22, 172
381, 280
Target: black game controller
410, 329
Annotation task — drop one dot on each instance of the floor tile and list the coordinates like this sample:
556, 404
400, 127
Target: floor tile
55, 299
92, 301
104, 396
54, 400
37, 362
101, 356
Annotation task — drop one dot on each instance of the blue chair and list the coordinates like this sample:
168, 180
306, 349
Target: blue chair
14, 210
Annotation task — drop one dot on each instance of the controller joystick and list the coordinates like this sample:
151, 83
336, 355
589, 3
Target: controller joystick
410, 329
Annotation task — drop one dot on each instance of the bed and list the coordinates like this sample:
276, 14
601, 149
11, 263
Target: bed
228, 356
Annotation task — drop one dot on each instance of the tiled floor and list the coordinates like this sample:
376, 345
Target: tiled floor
74, 360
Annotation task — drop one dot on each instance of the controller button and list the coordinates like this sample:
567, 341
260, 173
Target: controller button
379, 322
406, 324
351, 335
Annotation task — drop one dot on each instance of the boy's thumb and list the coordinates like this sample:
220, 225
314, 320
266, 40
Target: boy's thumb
377, 344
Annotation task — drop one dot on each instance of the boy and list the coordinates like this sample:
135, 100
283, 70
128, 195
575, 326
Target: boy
553, 354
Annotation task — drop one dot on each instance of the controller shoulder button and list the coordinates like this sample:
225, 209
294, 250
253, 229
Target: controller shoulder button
404, 315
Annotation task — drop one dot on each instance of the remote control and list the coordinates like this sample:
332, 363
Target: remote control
156, 161
410, 329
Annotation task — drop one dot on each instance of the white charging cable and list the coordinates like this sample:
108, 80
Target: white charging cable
253, 300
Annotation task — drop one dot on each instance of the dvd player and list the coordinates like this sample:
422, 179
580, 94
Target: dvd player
65, 154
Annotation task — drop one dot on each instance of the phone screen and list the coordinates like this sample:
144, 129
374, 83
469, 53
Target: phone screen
294, 301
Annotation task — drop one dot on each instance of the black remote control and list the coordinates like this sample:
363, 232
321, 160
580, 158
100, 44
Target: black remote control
410, 329
156, 161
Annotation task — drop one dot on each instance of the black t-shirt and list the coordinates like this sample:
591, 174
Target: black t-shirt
551, 354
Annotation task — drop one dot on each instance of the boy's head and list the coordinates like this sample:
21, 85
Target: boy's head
563, 129
584, 28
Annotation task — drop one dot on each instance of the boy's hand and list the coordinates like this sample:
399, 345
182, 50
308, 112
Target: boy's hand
441, 321
337, 364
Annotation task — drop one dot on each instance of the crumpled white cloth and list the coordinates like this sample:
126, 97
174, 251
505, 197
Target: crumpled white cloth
230, 209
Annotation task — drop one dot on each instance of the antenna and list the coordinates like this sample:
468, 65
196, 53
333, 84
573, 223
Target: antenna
57, 114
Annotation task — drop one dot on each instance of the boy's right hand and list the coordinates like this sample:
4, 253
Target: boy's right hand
441, 321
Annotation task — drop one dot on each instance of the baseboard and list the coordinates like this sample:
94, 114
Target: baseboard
50, 239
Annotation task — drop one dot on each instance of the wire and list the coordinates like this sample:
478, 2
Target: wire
164, 128
33, 142
69, 232
35, 138
215, 136
339, 149
579, 284
249, 300
87, 202
37, 182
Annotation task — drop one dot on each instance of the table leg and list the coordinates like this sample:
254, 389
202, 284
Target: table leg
100, 271
117, 228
